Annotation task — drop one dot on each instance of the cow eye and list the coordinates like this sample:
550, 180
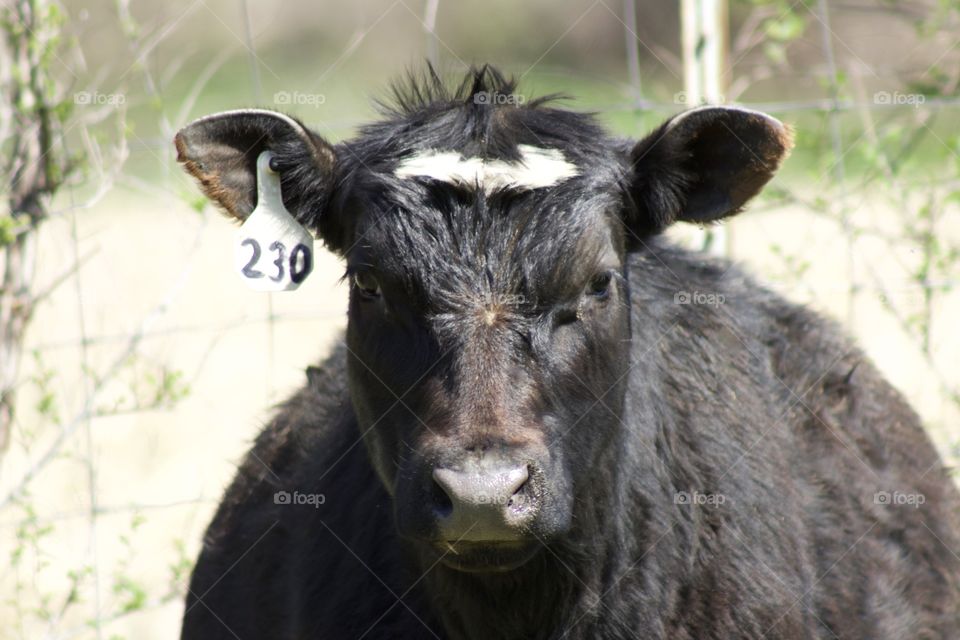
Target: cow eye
366, 285
600, 285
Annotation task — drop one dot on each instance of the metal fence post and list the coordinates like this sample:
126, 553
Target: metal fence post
704, 44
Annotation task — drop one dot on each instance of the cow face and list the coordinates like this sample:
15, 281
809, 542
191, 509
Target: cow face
486, 353
489, 318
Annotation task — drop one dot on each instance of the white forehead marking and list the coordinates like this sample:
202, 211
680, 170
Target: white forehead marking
537, 167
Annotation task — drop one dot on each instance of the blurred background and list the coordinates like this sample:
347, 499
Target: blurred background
135, 368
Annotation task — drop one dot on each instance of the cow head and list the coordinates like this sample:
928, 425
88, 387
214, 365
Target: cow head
489, 325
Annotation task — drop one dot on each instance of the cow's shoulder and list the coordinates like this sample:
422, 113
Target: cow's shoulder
315, 419
297, 477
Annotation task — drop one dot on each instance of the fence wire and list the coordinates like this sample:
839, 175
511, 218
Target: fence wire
898, 233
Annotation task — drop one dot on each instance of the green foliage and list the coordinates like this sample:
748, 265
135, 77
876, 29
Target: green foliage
196, 200
8, 226
180, 569
47, 406
787, 27
130, 592
787, 23
169, 387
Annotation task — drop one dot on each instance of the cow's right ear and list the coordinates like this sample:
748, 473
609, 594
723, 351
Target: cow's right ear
221, 152
702, 166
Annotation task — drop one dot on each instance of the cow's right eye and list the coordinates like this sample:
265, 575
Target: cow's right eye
366, 285
600, 285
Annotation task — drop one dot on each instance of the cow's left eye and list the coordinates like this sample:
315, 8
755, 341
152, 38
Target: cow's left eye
600, 285
366, 285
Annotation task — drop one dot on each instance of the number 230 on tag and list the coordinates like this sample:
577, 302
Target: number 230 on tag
274, 252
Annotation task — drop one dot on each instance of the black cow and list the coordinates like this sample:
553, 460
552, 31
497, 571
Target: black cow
547, 422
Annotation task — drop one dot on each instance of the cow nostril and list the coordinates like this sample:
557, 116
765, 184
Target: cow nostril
522, 496
442, 504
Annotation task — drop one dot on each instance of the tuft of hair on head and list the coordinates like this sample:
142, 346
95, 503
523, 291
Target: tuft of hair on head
426, 91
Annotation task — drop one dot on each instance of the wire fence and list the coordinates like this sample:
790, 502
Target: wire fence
864, 232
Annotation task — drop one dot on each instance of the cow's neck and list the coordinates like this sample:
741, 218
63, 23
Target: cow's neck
550, 592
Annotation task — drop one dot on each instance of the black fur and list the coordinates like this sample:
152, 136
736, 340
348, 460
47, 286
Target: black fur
704, 470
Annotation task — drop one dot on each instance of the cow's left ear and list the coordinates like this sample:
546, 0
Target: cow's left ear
703, 165
221, 152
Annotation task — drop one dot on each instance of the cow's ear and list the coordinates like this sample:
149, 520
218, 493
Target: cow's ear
221, 152
703, 165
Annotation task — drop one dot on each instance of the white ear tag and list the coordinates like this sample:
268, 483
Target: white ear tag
274, 252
